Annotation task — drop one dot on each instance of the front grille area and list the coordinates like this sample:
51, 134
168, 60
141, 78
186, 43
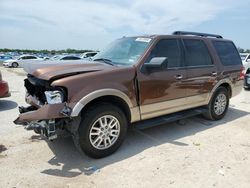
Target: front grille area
36, 87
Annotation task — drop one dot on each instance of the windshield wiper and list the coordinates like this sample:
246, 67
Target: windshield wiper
107, 61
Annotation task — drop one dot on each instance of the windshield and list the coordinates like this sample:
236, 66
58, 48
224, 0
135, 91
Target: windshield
124, 51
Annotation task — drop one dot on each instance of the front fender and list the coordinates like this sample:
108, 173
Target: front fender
134, 111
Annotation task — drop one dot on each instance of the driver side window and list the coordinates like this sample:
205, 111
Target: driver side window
168, 48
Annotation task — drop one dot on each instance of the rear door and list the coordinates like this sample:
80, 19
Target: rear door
201, 70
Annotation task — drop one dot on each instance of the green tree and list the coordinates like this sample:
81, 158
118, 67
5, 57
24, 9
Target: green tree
45, 51
241, 50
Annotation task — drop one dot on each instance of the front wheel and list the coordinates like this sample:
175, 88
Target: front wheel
14, 65
102, 130
218, 104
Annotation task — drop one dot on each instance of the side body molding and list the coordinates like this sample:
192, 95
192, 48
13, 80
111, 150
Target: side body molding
134, 111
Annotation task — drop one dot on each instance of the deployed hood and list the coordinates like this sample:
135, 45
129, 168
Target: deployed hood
31, 66
59, 71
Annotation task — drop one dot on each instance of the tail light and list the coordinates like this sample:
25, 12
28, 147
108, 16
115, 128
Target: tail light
242, 73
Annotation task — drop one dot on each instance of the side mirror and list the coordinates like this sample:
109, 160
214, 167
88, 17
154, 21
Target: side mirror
248, 60
155, 64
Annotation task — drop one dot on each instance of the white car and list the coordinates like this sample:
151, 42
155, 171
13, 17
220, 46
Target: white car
65, 57
20, 61
88, 55
245, 57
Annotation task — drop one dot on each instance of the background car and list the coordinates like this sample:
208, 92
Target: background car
245, 57
66, 57
5, 57
56, 60
247, 79
4, 88
88, 55
21, 60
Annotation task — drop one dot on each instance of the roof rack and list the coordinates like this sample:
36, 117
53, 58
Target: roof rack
197, 34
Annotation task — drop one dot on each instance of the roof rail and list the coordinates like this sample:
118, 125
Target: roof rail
197, 34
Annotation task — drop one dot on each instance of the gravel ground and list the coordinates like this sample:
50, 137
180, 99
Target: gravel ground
190, 153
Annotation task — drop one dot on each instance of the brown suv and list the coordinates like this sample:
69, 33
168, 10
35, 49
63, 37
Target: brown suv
140, 81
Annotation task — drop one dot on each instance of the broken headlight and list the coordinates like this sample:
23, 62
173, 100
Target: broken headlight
54, 97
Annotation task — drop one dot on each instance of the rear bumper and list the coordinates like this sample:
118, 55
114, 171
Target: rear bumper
4, 89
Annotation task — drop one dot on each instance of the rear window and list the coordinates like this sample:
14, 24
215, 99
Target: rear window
227, 53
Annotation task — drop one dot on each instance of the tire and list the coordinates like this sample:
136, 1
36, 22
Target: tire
246, 88
90, 132
14, 65
217, 109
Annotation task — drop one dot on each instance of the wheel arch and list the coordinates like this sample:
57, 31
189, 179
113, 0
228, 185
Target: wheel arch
112, 96
15, 62
228, 87
222, 83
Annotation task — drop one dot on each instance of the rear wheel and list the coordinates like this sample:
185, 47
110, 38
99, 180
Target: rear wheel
218, 105
15, 65
102, 130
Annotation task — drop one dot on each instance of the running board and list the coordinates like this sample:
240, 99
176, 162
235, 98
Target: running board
169, 118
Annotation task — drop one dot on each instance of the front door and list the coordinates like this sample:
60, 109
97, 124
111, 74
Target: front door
162, 92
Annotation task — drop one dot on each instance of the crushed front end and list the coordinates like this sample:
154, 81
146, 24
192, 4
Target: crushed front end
48, 110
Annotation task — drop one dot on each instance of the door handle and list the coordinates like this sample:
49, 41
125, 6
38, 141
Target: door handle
214, 73
178, 77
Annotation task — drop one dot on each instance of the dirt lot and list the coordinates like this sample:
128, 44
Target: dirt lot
191, 153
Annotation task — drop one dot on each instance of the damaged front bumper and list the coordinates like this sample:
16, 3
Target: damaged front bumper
49, 109
46, 119
45, 128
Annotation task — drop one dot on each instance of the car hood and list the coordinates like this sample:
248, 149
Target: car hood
10, 61
55, 72
31, 66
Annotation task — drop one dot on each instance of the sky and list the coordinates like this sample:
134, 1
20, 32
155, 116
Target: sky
92, 24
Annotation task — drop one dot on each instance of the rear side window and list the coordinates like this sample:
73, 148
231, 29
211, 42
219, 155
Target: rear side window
196, 53
227, 53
